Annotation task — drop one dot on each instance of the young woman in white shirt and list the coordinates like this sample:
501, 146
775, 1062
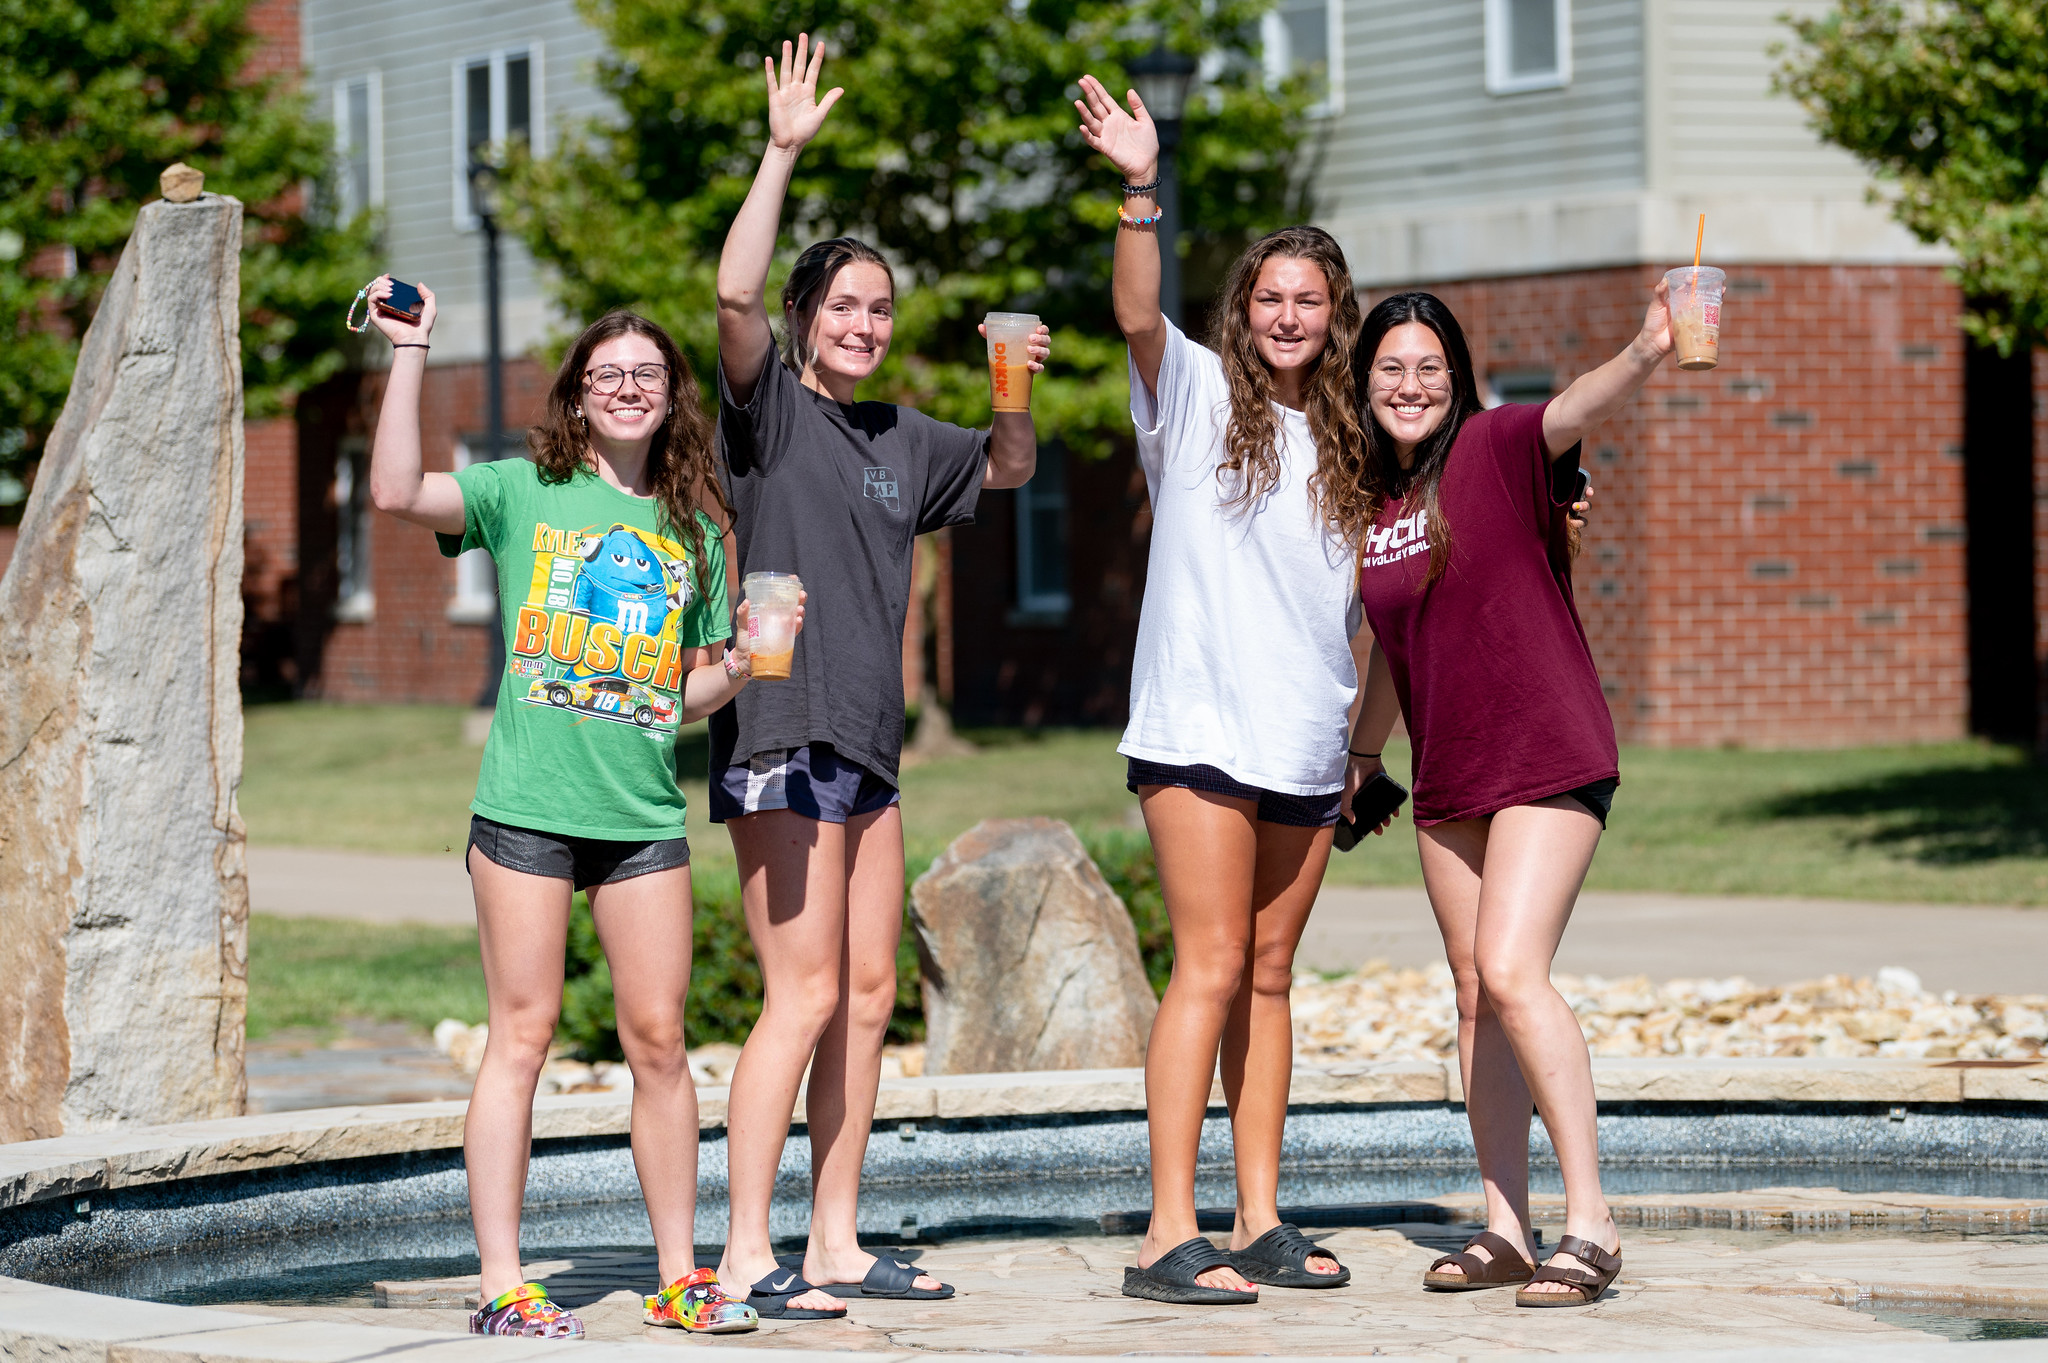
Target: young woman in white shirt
1242, 684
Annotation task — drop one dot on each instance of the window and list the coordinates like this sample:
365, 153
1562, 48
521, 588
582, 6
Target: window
497, 98
1528, 45
1305, 39
354, 601
476, 577
1042, 538
1521, 385
359, 142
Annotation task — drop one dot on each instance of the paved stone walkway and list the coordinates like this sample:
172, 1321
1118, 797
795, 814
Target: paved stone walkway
1976, 949
1687, 1288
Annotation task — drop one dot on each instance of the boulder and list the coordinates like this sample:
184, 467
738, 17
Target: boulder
123, 899
1030, 961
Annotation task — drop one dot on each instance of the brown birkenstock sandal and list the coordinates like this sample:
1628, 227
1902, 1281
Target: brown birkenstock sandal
1506, 1268
1586, 1287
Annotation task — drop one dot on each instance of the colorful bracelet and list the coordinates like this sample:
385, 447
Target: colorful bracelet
1148, 220
362, 301
738, 666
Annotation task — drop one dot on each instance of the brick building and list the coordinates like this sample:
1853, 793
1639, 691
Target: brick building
1830, 539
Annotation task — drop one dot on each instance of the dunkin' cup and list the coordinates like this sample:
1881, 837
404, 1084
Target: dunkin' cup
1696, 314
771, 622
1009, 359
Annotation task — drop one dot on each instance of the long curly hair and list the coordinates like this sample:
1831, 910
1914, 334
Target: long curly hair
1251, 440
679, 460
1381, 474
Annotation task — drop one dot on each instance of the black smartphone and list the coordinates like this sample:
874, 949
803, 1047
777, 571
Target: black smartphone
404, 303
1376, 799
1583, 482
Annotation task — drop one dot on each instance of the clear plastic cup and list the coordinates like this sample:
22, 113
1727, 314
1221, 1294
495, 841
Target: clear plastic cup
1696, 314
771, 622
1009, 359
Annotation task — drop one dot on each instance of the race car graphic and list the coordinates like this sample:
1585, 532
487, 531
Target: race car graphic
607, 697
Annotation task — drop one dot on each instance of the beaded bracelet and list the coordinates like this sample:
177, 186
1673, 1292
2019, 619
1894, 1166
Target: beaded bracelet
1148, 220
362, 301
1130, 188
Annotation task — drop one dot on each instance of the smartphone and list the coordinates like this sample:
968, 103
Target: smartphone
1375, 800
1580, 487
404, 303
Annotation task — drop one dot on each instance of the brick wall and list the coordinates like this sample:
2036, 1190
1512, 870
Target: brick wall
407, 649
276, 26
1775, 558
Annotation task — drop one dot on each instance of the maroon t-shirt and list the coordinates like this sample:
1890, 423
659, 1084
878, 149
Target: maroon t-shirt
1496, 682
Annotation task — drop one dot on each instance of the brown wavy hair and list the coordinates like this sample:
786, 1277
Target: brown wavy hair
679, 460
1381, 475
1251, 440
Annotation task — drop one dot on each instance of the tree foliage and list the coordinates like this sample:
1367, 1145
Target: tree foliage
954, 150
1947, 99
96, 98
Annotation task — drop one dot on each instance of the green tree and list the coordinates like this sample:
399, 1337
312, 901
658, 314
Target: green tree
954, 150
96, 98
1948, 101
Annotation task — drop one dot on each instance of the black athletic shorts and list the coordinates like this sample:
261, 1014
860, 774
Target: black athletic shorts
1299, 811
583, 862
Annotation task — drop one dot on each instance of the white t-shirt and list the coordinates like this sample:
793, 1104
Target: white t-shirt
1244, 643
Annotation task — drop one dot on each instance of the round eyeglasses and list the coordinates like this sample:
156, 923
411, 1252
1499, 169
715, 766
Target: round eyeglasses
609, 378
1432, 374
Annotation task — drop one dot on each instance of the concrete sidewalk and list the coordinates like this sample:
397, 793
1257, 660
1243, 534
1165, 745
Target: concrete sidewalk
1971, 948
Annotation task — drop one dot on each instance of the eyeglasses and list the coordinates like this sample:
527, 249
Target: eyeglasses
1431, 373
607, 378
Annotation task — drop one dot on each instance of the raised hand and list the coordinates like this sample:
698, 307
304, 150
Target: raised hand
1656, 339
1039, 347
396, 331
1129, 140
795, 113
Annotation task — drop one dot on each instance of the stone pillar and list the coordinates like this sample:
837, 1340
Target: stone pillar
123, 901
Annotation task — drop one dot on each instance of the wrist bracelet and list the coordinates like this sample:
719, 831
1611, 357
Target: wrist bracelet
1126, 220
732, 666
410, 345
1130, 188
1356, 753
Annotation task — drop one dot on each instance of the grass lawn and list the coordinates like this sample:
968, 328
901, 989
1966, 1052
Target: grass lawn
1961, 822
311, 972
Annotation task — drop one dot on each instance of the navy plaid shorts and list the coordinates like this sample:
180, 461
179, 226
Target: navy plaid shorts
1297, 811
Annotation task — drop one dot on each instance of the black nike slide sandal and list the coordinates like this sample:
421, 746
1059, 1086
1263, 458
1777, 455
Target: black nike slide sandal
890, 1278
1172, 1277
1279, 1258
771, 1296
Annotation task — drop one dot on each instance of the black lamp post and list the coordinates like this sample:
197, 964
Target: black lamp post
1163, 78
483, 193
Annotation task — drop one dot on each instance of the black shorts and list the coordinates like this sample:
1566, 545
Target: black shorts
814, 781
1296, 811
583, 862
1596, 796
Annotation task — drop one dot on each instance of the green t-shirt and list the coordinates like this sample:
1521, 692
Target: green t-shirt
599, 610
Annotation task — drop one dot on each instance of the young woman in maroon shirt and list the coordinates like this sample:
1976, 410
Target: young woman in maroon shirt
1465, 575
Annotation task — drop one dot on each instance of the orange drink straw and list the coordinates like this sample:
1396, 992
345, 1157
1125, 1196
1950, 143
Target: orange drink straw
1698, 240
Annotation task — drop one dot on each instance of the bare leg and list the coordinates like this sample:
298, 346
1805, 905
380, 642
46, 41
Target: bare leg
644, 924
522, 924
1497, 1102
793, 887
1208, 853
1258, 1039
1536, 860
840, 1101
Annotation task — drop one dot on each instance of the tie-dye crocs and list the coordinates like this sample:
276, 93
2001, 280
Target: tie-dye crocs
527, 1313
697, 1303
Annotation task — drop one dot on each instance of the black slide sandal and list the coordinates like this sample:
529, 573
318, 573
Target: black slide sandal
1279, 1258
890, 1278
771, 1297
1172, 1277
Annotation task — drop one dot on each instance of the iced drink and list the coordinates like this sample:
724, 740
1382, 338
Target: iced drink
1009, 359
771, 622
1696, 314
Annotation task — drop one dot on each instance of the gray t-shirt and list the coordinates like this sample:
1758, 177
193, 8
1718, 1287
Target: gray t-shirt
836, 495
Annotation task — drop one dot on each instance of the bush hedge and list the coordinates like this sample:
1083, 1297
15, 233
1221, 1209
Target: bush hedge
725, 978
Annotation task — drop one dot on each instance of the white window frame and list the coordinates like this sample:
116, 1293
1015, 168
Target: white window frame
1500, 78
355, 603
374, 81
458, 125
1276, 56
476, 577
1034, 496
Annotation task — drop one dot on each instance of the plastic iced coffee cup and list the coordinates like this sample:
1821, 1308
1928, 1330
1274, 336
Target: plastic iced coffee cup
771, 622
1009, 359
1696, 314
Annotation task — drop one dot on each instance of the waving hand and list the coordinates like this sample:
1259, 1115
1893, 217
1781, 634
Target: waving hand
795, 113
1128, 140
